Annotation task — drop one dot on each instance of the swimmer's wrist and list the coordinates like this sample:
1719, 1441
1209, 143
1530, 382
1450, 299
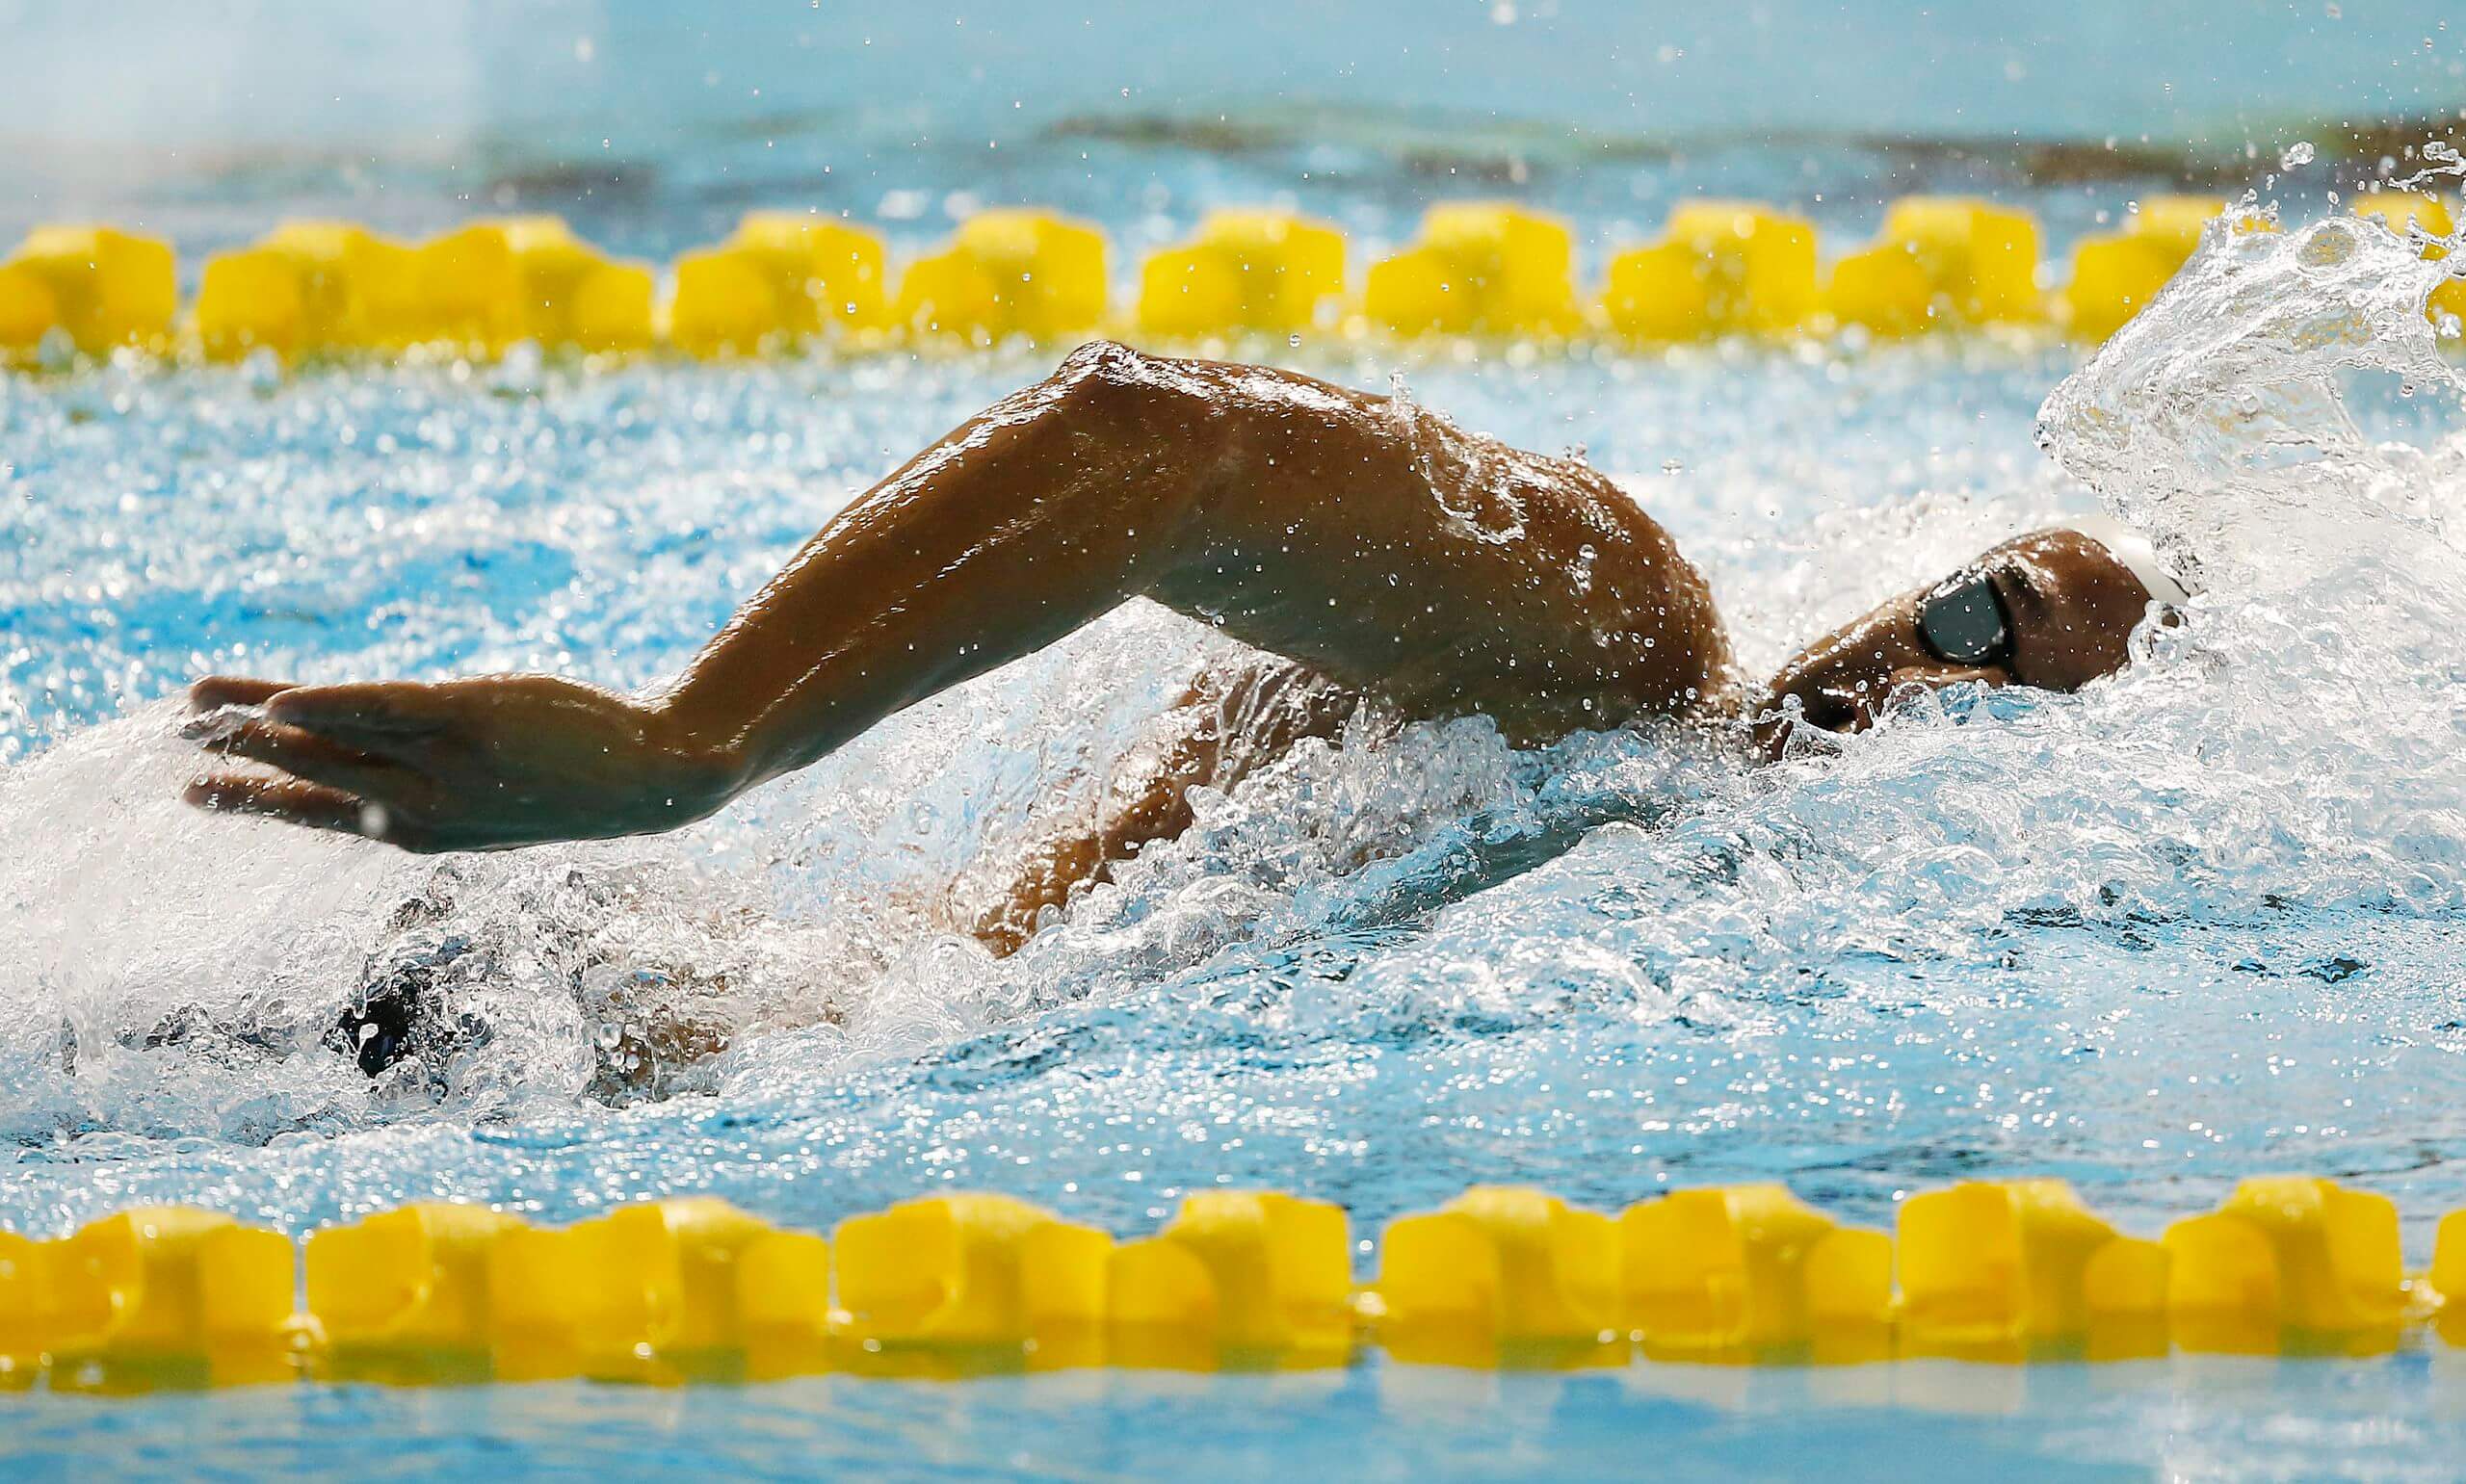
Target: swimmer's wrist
699, 773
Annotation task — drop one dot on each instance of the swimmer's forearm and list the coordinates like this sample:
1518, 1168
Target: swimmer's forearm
1040, 516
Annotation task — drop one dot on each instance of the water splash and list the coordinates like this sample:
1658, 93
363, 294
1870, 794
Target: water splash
2215, 419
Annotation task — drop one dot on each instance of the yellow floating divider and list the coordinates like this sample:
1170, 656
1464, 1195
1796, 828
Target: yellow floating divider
2012, 1270
403, 1296
1501, 1276
250, 300
357, 287
153, 1298
662, 1294
1941, 262
693, 1289
2398, 210
24, 1279
1749, 1274
826, 274
781, 278
28, 313
572, 295
724, 305
2288, 1263
466, 289
1235, 1281
107, 288
316, 286
2115, 276
1264, 271
1480, 268
1008, 272
2445, 1283
960, 1285
308, 287
1724, 267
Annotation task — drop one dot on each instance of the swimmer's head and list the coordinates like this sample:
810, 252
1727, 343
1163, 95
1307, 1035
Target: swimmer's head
2054, 609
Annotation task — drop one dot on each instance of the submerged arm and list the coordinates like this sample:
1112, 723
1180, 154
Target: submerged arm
1232, 722
1372, 543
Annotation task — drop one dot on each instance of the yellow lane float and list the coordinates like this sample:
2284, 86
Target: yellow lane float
2113, 276
1480, 268
1262, 271
2012, 1270
783, 280
667, 1292
2287, 1264
962, 1284
1941, 262
404, 1296
1749, 1274
107, 288
159, 1296
1724, 267
1008, 274
1235, 1281
28, 313
1501, 1275
693, 1289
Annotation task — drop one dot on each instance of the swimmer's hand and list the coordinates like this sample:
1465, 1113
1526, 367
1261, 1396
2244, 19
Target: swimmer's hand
465, 765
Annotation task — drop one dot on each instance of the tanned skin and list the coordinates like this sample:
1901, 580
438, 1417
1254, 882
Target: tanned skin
1364, 547
2072, 608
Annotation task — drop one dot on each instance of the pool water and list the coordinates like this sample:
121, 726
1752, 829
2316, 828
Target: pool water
2204, 920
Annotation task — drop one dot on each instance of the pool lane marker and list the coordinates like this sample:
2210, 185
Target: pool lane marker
785, 282
694, 1290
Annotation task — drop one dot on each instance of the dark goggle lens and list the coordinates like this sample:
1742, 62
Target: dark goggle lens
1962, 621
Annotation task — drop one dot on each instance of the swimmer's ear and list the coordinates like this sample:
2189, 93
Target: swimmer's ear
216, 692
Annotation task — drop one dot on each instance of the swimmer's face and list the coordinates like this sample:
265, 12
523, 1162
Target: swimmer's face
2053, 610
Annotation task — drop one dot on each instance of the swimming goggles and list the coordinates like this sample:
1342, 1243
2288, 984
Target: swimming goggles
1962, 621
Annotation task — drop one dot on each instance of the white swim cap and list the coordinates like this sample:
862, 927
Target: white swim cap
2133, 549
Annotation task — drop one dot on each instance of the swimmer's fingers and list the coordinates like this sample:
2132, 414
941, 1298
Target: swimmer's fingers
308, 756
214, 692
288, 800
381, 718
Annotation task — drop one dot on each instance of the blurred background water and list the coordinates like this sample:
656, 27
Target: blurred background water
2199, 923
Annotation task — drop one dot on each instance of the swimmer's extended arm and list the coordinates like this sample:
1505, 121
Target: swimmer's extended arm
1377, 545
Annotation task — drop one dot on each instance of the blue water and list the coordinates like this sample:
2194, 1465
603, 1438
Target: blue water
2203, 921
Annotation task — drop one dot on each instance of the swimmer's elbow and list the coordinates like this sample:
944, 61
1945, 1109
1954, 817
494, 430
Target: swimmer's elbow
1104, 383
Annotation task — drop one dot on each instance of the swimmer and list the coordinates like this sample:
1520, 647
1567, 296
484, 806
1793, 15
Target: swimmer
1363, 548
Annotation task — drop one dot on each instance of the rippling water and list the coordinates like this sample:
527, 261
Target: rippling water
2199, 921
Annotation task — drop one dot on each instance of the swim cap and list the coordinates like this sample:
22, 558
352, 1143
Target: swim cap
2133, 549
